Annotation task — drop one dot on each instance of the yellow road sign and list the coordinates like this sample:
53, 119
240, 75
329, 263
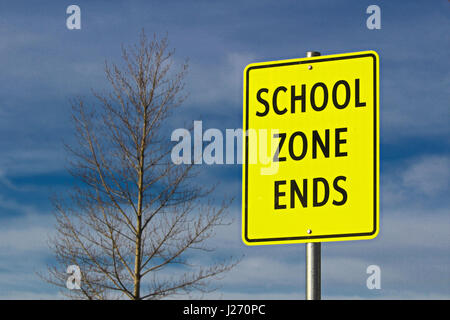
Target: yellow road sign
311, 149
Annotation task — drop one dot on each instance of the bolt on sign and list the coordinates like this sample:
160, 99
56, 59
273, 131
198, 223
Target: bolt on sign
311, 149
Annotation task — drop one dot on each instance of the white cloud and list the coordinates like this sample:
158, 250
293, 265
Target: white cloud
426, 177
264, 272
429, 175
24, 240
37, 159
416, 229
25, 233
23, 252
218, 84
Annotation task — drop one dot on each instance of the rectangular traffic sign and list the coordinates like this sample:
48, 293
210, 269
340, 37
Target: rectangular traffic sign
311, 149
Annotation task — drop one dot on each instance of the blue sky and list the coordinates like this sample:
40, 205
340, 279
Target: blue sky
45, 65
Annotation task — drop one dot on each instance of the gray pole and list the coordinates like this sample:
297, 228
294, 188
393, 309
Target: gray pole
313, 254
313, 261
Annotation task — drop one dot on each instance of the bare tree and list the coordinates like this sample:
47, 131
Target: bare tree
132, 221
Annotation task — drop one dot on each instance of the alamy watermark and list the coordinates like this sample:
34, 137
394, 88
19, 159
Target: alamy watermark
214, 147
374, 280
374, 20
73, 22
74, 280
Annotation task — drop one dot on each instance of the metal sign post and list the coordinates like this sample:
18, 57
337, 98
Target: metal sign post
313, 269
313, 254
